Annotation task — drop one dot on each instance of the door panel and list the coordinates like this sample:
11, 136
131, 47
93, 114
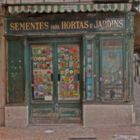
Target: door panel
55, 82
68, 72
42, 61
69, 81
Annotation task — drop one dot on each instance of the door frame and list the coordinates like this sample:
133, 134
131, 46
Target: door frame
43, 41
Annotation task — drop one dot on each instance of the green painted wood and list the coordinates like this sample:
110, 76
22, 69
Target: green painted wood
59, 8
91, 8
97, 70
81, 72
55, 63
130, 20
78, 8
90, 40
28, 75
19, 9
112, 7
106, 8
84, 66
100, 69
66, 108
119, 7
16, 84
45, 8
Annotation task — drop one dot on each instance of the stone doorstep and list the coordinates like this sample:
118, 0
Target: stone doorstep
108, 114
125, 137
86, 138
16, 116
1, 116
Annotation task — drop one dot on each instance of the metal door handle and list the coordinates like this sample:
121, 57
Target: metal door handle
32, 85
51, 77
59, 77
78, 76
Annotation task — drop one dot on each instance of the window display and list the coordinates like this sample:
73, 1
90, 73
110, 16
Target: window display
89, 70
69, 72
42, 72
112, 68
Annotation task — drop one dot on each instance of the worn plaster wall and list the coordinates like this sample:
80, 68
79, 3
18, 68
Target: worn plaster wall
108, 115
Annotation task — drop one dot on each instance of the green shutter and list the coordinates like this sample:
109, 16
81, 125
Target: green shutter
105, 7
91, 8
119, 7
38, 8
19, 9
84, 8
112, 7
59, 8
45, 8
77, 9
15, 71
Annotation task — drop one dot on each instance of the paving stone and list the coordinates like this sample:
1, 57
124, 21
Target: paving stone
137, 101
126, 137
70, 132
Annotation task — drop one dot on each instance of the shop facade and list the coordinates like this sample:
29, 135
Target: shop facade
69, 64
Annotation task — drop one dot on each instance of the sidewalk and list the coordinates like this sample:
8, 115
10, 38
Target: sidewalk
71, 132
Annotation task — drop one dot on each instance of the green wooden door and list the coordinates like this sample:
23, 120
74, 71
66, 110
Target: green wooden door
16, 90
55, 82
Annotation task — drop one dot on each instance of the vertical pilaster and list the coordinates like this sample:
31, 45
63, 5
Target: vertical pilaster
2, 72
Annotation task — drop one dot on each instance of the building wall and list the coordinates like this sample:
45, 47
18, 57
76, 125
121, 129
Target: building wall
2, 70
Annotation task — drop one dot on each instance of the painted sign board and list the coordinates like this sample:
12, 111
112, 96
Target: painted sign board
65, 23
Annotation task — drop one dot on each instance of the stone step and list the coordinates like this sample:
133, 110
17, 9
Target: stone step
137, 108
137, 102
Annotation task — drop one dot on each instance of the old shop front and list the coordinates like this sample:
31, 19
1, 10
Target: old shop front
69, 64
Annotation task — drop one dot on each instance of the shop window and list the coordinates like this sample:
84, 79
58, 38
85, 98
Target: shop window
89, 70
42, 72
104, 69
15, 71
111, 68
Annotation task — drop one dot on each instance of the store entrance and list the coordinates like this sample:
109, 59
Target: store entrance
56, 82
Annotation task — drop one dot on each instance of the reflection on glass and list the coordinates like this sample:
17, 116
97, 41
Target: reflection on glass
42, 70
112, 68
89, 70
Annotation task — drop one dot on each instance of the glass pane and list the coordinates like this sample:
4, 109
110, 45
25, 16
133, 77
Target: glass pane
112, 74
42, 72
69, 72
89, 70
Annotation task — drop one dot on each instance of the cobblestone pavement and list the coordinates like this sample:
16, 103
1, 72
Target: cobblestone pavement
71, 132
